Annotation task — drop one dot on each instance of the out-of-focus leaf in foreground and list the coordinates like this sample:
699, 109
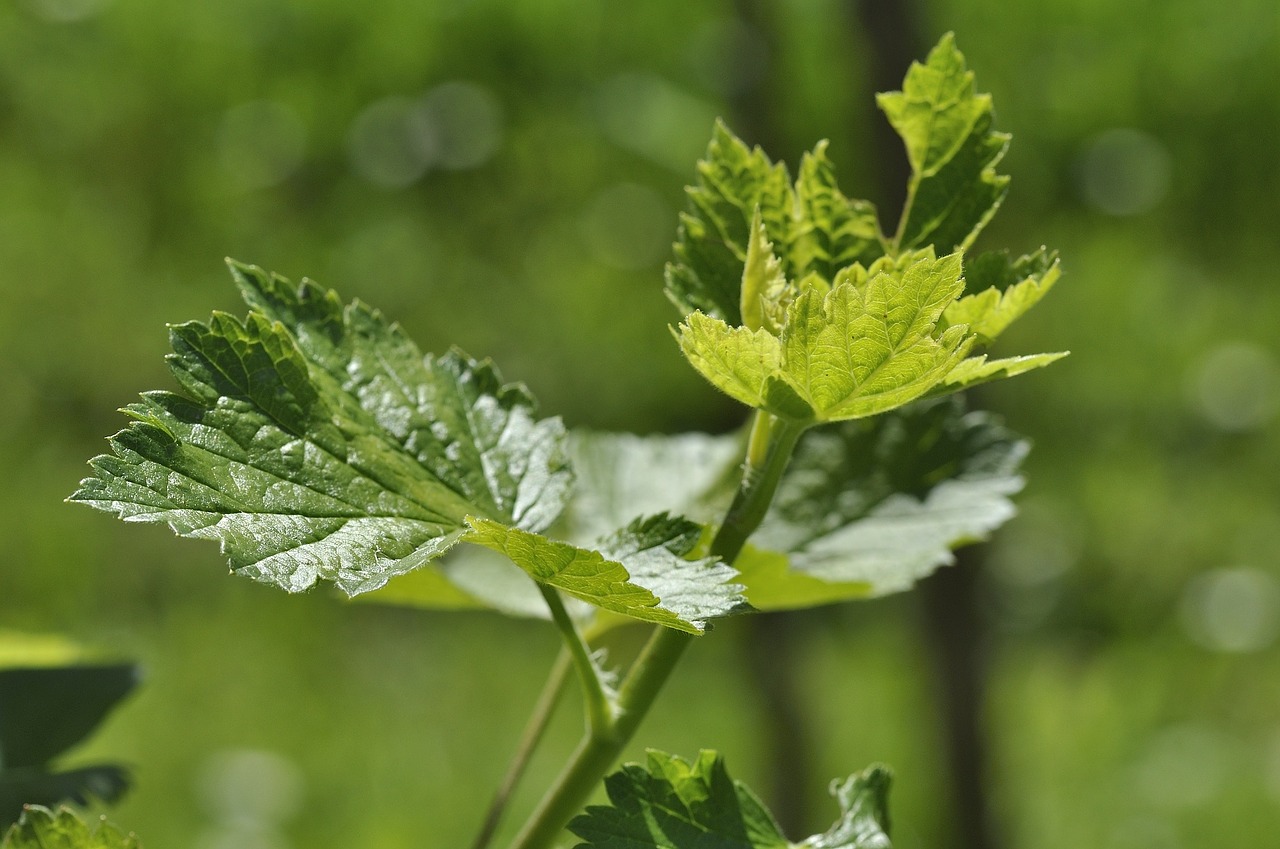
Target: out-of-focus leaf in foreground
316, 443
42, 828
671, 804
45, 711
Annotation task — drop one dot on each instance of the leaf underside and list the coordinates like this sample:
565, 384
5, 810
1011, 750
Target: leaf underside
865, 508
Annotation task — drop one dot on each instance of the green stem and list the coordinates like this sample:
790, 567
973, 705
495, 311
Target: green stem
529, 740
599, 702
770, 449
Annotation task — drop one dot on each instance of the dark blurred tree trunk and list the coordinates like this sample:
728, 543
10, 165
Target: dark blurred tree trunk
953, 625
893, 34
956, 634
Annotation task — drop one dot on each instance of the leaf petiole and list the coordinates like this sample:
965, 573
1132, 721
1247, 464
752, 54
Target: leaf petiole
600, 702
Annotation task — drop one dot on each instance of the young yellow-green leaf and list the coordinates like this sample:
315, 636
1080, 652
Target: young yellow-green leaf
865, 349
872, 506
465, 578
316, 443
42, 828
737, 360
832, 231
640, 571
978, 370
672, 804
868, 345
734, 182
946, 128
771, 583
1002, 291
764, 285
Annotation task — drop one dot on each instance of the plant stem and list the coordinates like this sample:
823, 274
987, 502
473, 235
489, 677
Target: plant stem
599, 702
529, 740
772, 441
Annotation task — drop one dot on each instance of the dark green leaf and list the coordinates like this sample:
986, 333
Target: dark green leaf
671, 804
38, 786
45, 711
317, 443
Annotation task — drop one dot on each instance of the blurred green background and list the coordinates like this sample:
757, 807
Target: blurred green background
505, 176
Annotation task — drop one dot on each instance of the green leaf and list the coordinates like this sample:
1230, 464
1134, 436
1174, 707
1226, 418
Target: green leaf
1003, 291
865, 348
833, 232
946, 128
45, 711
870, 507
42, 828
737, 360
977, 370
734, 182
640, 571
764, 285
671, 804
864, 812
316, 443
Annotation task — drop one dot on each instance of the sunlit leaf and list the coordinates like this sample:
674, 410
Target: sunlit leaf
832, 231
946, 127
734, 182
641, 571
1003, 290
316, 443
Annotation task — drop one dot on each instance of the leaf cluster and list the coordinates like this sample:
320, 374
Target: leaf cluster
316, 443
798, 304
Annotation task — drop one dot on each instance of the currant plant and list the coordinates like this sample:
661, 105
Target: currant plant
317, 444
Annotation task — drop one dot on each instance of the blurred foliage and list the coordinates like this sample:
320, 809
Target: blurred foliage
493, 174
